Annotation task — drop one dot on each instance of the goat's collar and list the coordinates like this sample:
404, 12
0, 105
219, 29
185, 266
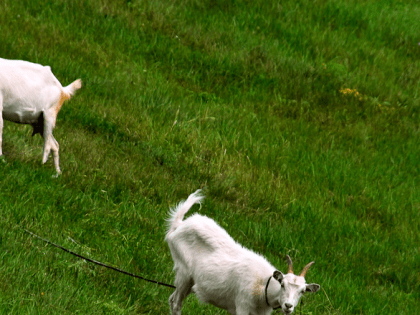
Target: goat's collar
266, 297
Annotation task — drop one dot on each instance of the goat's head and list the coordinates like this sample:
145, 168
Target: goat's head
293, 287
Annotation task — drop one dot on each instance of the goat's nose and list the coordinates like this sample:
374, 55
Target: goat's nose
288, 305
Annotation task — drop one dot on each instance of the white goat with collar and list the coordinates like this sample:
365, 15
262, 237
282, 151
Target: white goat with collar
209, 263
31, 94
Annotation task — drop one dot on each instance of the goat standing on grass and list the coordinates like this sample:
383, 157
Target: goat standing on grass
31, 94
221, 272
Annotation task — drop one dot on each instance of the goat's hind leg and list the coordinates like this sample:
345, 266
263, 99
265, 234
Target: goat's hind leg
56, 157
1, 129
183, 289
1, 132
50, 144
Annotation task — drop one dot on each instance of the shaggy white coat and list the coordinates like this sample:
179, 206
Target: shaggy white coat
31, 94
209, 263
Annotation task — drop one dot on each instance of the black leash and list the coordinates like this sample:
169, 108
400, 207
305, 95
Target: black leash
99, 263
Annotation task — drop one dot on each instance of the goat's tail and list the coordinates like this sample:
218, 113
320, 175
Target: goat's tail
67, 92
177, 214
73, 87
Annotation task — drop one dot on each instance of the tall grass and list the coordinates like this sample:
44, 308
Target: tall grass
299, 119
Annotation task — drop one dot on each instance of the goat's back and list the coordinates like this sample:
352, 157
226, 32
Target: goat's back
27, 89
200, 241
199, 230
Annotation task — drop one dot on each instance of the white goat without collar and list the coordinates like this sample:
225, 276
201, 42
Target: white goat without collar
31, 94
209, 263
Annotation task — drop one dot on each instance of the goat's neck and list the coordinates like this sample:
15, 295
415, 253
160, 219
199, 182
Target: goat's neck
273, 292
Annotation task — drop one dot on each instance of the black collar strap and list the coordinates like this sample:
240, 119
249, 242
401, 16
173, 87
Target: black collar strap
266, 298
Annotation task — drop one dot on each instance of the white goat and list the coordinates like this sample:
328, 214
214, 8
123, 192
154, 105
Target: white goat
221, 272
31, 94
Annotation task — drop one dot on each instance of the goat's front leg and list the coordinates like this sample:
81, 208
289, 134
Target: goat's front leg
241, 311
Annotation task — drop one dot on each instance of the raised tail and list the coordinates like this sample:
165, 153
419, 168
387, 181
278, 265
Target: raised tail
177, 214
73, 87
67, 92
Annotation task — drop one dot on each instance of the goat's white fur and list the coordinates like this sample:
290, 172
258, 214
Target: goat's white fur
31, 94
209, 263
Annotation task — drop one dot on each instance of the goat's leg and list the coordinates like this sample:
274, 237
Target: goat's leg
56, 156
241, 308
1, 128
240, 311
183, 289
50, 144
1, 124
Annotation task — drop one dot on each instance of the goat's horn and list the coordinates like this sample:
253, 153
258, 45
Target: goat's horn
304, 270
289, 262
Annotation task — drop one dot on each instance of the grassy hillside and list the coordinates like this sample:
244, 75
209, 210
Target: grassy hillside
298, 119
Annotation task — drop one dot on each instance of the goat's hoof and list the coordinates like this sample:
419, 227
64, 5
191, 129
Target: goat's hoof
56, 175
3, 159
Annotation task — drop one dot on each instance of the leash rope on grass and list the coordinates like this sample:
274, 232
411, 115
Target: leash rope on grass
99, 263
107, 266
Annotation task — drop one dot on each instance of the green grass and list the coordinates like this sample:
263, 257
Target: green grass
244, 99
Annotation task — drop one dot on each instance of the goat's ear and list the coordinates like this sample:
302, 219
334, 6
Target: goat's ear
278, 276
313, 287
